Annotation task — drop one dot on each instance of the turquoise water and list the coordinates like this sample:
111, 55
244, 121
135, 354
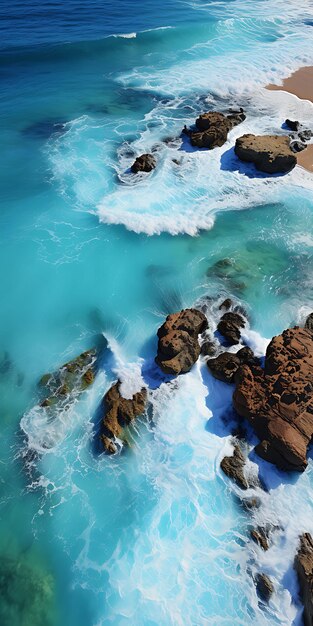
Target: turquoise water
90, 256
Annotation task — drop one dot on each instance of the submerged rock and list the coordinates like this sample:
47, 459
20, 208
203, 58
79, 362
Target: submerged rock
229, 326
178, 346
119, 412
304, 567
70, 379
277, 401
144, 163
233, 467
269, 153
26, 594
264, 587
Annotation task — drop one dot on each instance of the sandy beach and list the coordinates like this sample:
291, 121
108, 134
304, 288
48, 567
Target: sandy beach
300, 83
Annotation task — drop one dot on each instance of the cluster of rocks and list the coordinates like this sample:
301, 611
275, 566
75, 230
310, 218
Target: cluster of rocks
212, 128
271, 154
70, 379
277, 400
119, 412
299, 137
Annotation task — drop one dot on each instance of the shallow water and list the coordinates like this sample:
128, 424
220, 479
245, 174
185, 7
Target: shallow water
91, 256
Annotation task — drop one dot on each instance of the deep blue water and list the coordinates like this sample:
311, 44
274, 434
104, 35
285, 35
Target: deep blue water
154, 535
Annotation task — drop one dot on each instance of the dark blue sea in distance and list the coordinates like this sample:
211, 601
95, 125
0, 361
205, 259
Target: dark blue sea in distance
91, 256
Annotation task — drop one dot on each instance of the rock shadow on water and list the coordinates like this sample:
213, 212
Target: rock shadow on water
269, 474
219, 402
150, 371
231, 163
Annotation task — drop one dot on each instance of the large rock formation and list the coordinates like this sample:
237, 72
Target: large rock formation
213, 127
269, 153
277, 401
304, 568
143, 163
178, 347
119, 412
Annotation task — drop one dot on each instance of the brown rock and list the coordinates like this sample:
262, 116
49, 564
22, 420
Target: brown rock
264, 586
224, 366
212, 119
213, 128
227, 304
212, 138
304, 567
233, 467
229, 326
269, 153
144, 163
119, 412
278, 401
260, 536
178, 346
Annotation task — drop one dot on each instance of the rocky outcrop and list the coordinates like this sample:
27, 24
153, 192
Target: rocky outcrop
229, 326
277, 401
233, 467
70, 380
269, 153
264, 587
144, 163
178, 346
304, 567
213, 128
119, 412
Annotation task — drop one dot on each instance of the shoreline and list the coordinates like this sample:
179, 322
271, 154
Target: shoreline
300, 84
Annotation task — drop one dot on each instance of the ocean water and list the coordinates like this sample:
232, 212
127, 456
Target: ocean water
91, 256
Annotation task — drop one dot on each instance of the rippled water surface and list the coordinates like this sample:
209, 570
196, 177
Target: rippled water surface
92, 256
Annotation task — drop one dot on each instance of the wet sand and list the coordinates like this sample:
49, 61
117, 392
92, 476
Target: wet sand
300, 83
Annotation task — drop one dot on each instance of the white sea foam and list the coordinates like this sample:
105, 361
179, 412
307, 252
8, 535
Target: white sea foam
126, 35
